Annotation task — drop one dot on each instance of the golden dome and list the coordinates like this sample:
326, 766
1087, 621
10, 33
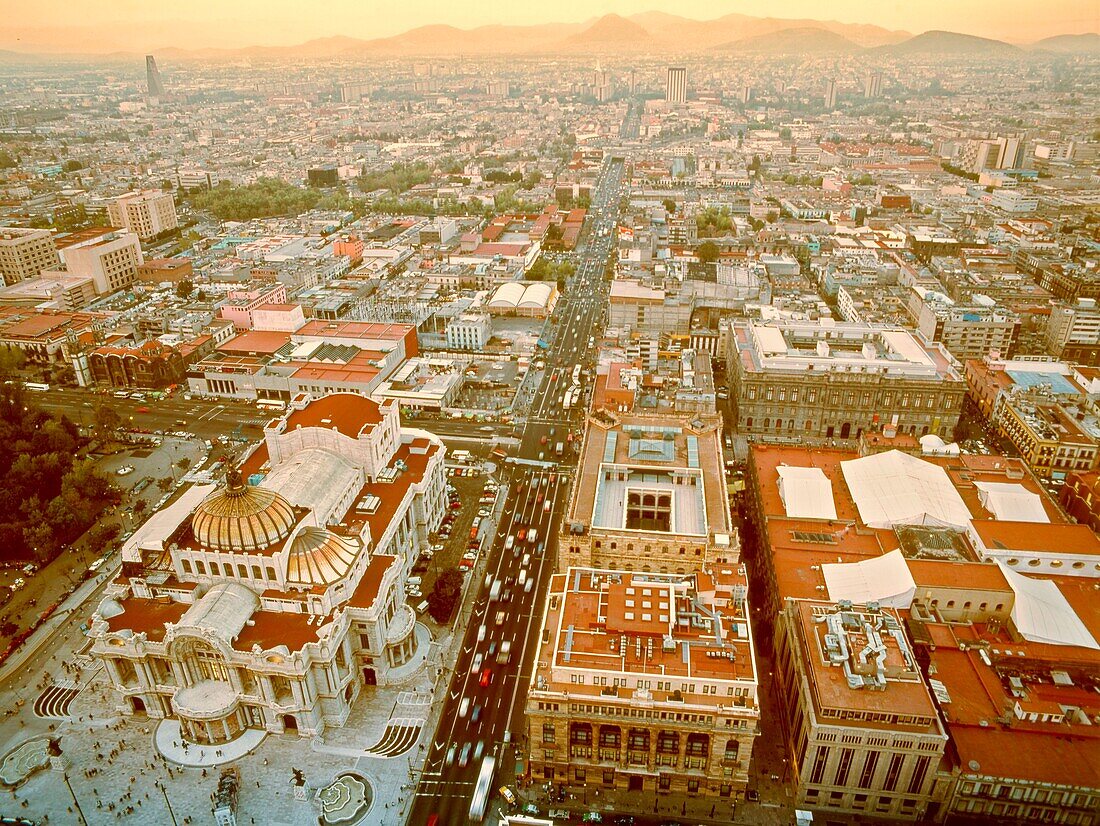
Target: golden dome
318, 557
242, 517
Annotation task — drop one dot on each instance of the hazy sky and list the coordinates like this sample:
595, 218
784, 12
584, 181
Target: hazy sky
140, 25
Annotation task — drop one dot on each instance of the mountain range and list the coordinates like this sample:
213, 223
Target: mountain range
645, 33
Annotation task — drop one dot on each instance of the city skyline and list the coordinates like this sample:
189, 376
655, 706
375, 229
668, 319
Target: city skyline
123, 26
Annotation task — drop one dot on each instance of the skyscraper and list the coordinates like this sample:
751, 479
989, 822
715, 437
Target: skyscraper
152, 77
872, 85
677, 89
830, 94
746, 93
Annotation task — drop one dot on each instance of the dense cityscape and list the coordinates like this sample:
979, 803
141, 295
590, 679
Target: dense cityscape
645, 422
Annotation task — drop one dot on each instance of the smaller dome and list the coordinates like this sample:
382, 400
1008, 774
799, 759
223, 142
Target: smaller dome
242, 517
318, 557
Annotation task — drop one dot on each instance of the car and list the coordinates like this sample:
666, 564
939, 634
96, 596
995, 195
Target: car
500, 618
475, 666
433, 820
484, 512
456, 505
464, 707
450, 758
19, 583
528, 586
470, 555
479, 747
521, 534
124, 470
486, 677
481, 631
464, 755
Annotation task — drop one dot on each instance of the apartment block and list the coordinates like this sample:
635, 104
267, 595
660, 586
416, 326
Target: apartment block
111, 259
968, 332
26, 253
644, 688
146, 214
1073, 332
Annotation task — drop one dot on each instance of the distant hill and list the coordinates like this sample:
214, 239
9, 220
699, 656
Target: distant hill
1069, 44
803, 40
610, 30
949, 43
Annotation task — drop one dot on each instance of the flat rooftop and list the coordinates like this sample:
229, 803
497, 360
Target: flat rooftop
655, 474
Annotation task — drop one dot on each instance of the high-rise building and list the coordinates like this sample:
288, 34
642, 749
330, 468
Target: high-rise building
152, 78
109, 258
25, 253
746, 93
872, 85
633, 81
677, 88
146, 214
830, 94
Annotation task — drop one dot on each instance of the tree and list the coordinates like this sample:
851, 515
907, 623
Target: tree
11, 361
7, 161
165, 484
99, 537
184, 288
139, 507
72, 166
107, 419
670, 206
707, 252
444, 595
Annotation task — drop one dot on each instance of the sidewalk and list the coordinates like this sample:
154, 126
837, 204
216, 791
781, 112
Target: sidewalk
13, 665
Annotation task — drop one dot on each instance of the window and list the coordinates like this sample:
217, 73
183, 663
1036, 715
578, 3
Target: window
868, 773
892, 772
693, 786
187, 566
579, 775
664, 783
548, 733
842, 767
917, 778
819, 764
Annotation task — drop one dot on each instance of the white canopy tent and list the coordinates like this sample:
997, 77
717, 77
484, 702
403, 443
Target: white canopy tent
1011, 501
883, 579
1043, 614
806, 492
894, 488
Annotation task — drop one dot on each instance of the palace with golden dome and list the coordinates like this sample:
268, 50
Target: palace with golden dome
272, 601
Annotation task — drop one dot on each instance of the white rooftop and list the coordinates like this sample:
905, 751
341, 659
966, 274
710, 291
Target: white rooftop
806, 492
894, 488
883, 579
1011, 501
1042, 613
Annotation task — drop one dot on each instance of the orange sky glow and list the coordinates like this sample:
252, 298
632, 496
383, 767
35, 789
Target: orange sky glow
143, 25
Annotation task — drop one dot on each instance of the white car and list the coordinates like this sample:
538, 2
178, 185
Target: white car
125, 470
464, 707
475, 666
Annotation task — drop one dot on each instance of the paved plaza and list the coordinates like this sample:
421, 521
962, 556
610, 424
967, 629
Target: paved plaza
135, 770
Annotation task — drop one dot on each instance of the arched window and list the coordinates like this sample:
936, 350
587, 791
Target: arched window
187, 566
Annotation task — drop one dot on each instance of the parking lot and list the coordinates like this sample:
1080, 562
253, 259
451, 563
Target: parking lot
454, 539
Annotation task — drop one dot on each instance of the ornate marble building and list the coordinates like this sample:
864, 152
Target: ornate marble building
274, 600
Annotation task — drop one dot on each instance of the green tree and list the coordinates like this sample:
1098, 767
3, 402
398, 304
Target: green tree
445, 595
7, 161
99, 536
184, 288
72, 165
670, 206
707, 252
11, 361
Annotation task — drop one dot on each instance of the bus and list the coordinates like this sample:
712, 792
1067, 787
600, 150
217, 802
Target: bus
577, 374
460, 456
480, 801
41, 387
270, 404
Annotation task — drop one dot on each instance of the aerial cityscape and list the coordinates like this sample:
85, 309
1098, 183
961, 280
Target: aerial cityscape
461, 414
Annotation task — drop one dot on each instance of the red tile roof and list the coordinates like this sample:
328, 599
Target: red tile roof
347, 412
